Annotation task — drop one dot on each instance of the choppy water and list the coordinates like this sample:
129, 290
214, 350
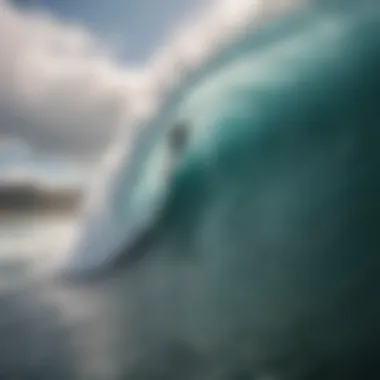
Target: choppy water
34, 237
72, 330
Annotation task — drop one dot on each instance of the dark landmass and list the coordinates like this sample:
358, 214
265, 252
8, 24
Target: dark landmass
15, 198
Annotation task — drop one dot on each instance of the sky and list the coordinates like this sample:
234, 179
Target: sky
89, 40
136, 27
76, 73
68, 67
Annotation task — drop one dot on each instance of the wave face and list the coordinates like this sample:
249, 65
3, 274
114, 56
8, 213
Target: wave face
241, 241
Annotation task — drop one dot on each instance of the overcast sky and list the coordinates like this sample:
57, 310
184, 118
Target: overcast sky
138, 27
68, 68
72, 72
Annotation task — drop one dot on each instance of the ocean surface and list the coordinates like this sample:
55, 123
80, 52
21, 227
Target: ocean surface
70, 329
35, 239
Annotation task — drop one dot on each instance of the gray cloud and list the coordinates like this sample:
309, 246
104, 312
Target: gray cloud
62, 91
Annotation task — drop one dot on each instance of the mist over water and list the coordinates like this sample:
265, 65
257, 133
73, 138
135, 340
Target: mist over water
71, 329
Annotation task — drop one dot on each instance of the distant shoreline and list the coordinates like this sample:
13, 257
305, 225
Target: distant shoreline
41, 213
31, 199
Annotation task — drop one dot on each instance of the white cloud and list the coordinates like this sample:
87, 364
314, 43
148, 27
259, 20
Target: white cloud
62, 90
59, 86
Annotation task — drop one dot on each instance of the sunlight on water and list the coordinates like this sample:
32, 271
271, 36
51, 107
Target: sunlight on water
28, 245
34, 239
